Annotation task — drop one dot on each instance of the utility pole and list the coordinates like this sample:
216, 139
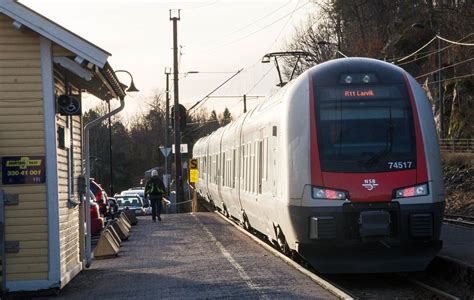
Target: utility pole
167, 133
245, 103
177, 127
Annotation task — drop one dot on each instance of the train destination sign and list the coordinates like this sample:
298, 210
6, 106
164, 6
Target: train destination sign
359, 93
348, 93
23, 170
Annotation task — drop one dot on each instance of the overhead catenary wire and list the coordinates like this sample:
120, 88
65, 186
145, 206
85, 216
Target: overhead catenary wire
284, 26
429, 42
419, 49
452, 78
261, 78
201, 6
261, 18
240, 96
430, 52
290, 15
426, 55
455, 43
244, 27
445, 67
265, 27
201, 101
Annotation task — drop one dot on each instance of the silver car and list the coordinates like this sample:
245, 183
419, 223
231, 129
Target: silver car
131, 202
137, 191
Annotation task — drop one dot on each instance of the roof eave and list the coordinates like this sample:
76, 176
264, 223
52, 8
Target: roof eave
54, 32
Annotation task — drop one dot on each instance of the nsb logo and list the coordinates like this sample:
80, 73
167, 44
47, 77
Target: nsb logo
370, 184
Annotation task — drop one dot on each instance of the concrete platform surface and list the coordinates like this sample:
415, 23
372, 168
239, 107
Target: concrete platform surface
458, 243
191, 256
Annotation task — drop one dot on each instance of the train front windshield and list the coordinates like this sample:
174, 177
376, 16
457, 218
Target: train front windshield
365, 129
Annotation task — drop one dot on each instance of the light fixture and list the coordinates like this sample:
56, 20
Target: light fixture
132, 87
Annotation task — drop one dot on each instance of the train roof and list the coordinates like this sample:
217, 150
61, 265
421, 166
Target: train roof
329, 73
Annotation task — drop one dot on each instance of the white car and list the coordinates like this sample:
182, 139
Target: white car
137, 191
131, 202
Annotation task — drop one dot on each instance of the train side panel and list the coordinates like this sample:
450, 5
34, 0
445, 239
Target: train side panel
214, 164
230, 170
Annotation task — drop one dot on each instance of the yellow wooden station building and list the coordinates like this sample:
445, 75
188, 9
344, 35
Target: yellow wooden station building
44, 69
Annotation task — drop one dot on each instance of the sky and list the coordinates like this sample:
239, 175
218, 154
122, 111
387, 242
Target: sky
215, 38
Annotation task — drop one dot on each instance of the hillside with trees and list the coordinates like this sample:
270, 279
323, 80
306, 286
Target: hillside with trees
393, 31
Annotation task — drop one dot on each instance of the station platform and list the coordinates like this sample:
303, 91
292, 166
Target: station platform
194, 256
458, 244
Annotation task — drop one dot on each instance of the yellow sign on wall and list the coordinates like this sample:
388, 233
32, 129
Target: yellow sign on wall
193, 164
193, 170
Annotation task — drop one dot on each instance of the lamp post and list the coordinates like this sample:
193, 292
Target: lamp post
131, 88
440, 88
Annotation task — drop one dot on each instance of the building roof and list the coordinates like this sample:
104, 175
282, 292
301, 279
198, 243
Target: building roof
89, 55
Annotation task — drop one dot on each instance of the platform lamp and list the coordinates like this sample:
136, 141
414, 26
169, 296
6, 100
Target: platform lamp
132, 88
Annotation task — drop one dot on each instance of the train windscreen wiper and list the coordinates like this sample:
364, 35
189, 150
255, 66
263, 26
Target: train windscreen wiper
387, 149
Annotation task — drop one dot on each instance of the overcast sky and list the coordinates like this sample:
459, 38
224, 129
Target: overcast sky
217, 38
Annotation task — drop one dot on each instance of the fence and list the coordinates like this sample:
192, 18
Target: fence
457, 145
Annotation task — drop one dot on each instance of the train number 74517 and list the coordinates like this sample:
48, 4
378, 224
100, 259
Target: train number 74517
399, 164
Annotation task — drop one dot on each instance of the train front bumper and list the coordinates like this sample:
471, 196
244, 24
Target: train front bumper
369, 237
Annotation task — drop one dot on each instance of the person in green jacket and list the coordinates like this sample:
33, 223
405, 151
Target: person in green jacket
155, 190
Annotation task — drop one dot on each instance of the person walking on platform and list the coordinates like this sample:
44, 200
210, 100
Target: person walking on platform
155, 190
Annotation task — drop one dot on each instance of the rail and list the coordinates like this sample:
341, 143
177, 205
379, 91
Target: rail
461, 220
457, 145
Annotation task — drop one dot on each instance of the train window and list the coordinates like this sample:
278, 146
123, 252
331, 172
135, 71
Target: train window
251, 169
363, 129
233, 168
260, 166
223, 169
211, 169
265, 159
229, 172
241, 171
200, 168
247, 173
216, 166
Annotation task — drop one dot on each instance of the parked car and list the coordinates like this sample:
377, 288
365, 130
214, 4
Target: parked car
100, 197
137, 190
97, 222
114, 208
131, 202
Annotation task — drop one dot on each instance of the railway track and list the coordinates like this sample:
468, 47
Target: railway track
358, 286
388, 286
461, 220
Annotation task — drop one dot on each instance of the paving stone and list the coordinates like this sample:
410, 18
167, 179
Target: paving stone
191, 256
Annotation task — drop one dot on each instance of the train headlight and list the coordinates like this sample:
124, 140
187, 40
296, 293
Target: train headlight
412, 191
328, 194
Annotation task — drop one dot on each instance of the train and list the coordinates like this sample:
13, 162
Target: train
341, 167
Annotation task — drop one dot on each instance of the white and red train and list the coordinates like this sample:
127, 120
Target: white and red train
342, 166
